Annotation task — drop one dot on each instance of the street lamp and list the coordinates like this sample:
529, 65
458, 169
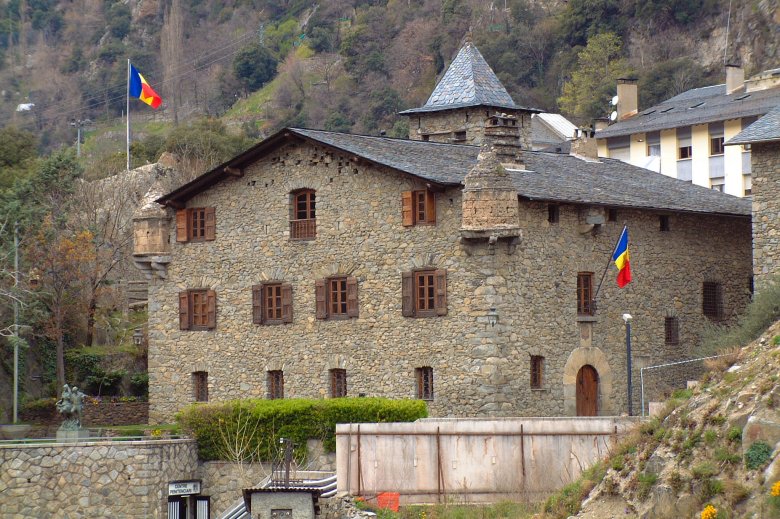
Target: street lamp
627, 319
492, 317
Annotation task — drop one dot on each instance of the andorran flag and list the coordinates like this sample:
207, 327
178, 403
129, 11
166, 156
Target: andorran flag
140, 88
621, 259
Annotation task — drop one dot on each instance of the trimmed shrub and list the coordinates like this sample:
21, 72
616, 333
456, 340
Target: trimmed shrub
249, 430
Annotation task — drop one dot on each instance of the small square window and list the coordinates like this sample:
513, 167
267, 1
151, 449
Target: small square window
553, 213
418, 208
671, 331
338, 383
716, 145
537, 371
424, 378
612, 214
685, 152
663, 223
459, 136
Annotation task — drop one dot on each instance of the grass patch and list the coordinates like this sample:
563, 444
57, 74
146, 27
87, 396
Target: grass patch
725, 456
734, 435
567, 501
646, 482
501, 510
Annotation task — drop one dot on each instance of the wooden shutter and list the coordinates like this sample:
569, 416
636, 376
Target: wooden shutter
441, 292
430, 206
321, 301
181, 225
287, 302
407, 294
184, 311
407, 208
352, 297
211, 299
211, 223
257, 304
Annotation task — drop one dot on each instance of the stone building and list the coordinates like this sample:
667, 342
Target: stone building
320, 264
763, 137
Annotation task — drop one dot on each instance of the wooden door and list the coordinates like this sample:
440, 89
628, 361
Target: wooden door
587, 391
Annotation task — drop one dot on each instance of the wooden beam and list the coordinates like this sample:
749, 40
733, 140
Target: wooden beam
234, 172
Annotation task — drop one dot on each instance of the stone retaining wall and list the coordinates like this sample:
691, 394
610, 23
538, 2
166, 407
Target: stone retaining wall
92, 479
103, 413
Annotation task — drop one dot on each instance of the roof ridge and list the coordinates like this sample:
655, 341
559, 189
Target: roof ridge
384, 137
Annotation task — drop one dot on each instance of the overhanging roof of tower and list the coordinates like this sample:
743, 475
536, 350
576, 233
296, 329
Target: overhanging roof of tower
469, 81
766, 129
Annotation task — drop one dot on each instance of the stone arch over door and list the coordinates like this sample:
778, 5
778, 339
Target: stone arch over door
594, 357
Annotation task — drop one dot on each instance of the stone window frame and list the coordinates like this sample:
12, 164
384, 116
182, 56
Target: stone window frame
338, 382
585, 293
671, 331
346, 299
200, 386
410, 293
424, 382
537, 371
275, 384
282, 310
196, 224
712, 299
303, 219
198, 309
418, 207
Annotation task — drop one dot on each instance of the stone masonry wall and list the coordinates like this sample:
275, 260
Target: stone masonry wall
94, 479
94, 414
440, 125
479, 370
766, 212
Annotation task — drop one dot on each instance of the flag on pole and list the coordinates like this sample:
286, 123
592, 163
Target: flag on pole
621, 259
140, 88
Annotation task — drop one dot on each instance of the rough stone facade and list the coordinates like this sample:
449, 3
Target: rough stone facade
479, 369
94, 479
443, 125
94, 414
766, 212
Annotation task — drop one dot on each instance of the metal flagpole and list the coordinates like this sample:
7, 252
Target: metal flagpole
16, 323
598, 289
128, 114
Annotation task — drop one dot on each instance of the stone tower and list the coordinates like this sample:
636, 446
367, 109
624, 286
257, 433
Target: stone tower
464, 101
151, 240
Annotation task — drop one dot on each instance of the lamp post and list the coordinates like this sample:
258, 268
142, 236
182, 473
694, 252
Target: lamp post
627, 319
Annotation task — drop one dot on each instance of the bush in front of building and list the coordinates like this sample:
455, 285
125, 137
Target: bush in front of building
250, 430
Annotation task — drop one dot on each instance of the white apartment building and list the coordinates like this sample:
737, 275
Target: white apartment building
683, 136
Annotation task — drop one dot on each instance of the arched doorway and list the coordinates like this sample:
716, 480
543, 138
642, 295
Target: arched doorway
587, 391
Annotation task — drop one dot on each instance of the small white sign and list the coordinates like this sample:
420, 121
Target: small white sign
183, 488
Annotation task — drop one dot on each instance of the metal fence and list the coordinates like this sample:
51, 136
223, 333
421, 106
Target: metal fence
661, 380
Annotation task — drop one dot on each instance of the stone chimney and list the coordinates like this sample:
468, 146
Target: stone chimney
151, 229
490, 203
735, 78
584, 145
602, 123
502, 133
628, 98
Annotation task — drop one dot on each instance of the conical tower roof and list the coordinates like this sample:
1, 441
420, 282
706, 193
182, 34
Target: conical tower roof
468, 81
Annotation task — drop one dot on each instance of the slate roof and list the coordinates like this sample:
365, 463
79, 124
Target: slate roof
468, 81
551, 176
557, 123
766, 129
696, 106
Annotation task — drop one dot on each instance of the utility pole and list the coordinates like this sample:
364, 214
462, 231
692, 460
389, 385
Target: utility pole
16, 323
79, 124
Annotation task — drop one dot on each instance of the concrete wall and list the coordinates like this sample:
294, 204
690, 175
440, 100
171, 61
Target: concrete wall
765, 160
479, 370
471, 460
92, 479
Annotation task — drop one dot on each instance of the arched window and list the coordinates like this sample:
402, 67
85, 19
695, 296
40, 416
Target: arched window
303, 222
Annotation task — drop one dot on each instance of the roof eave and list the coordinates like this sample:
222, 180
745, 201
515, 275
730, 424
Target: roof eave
429, 109
631, 206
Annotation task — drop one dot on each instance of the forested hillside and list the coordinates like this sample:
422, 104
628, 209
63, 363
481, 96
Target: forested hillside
230, 72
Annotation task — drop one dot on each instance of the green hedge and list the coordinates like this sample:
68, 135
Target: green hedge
249, 430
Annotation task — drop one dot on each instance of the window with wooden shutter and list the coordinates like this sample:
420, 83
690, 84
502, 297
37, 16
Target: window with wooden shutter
321, 299
196, 224
338, 383
197, 310
537, 371
275, 384
287, 303
272, 303
352, 297
303, 218
424, 378
418, 208
200, 386
424, 293
337, 298
257, 304
585, 293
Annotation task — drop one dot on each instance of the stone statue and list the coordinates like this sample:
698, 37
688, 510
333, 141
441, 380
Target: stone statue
70, 406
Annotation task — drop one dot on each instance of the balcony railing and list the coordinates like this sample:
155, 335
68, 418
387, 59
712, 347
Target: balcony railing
303, 229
